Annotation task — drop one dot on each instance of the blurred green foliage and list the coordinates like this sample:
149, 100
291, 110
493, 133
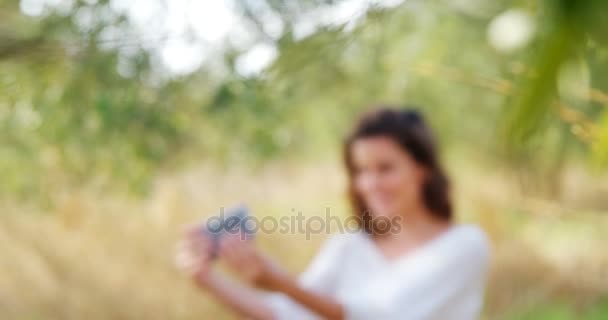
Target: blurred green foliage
75, 109
560, 311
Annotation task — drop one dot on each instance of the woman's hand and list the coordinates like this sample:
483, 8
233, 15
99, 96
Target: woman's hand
193, 255
241, 256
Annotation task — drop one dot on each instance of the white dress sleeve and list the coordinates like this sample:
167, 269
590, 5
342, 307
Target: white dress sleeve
320, 277
445, 283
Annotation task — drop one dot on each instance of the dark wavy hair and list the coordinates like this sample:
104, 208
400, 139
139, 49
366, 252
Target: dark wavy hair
406, 127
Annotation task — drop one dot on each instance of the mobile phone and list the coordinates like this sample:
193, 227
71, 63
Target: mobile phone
230, 221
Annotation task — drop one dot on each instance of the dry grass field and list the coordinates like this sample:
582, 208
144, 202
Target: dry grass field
93, 256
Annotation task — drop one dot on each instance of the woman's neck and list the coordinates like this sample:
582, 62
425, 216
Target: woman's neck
416, 227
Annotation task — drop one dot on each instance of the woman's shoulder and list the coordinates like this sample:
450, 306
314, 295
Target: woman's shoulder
472, 232
471, 239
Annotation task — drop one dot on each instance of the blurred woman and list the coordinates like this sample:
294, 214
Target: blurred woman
408, 260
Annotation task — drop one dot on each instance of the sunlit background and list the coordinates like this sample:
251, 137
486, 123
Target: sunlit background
122, 121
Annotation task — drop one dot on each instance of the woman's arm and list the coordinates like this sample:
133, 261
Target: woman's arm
193, 255
322, 305
262, 273
256, 269
242, 300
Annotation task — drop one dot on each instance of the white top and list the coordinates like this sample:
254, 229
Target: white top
444, 279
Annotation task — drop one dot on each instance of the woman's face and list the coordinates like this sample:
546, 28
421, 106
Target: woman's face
386, 176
